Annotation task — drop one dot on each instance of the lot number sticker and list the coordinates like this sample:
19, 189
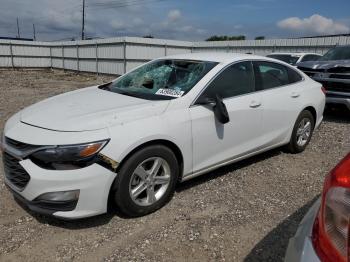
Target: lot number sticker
170, 92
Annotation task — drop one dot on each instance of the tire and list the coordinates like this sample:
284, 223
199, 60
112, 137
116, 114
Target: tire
135, 180
297, 144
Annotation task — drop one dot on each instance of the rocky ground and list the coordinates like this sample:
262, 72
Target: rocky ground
245, 211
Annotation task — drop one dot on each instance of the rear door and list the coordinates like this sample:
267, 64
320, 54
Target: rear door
281, 89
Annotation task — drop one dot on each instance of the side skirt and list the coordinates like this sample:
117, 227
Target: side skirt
227, 162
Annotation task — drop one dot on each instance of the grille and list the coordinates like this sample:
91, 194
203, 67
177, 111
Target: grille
14, 172
19, 145
337, 86
309, 71
340, 76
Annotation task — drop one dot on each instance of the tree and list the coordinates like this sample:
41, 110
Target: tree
260, 38
225, 38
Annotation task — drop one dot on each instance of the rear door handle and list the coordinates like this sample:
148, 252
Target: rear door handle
255, 104
294, 94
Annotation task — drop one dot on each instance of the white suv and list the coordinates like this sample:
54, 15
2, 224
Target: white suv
130, 141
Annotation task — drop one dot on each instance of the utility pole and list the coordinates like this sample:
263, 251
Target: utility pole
83, 23
34, 35
18, 34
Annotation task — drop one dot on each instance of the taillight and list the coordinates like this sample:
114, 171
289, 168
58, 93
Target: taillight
331, 238
323, 89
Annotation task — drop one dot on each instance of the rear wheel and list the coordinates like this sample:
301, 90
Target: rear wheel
302, 132
146, 181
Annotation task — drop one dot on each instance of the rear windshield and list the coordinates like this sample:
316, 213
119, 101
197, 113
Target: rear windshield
337, 53
290, 59
161, 79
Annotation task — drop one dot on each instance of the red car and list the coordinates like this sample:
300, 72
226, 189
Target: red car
323, 235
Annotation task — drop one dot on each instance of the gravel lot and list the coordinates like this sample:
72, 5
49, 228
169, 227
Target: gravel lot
245, 211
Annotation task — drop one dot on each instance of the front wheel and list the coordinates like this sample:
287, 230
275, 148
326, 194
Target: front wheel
302, 132
146, 181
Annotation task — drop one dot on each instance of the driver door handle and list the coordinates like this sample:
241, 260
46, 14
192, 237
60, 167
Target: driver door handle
294, 94
255, 104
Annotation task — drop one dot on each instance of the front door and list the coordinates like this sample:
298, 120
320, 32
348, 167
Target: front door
215, 143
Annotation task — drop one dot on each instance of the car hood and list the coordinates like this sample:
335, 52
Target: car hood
89, 109
324, 65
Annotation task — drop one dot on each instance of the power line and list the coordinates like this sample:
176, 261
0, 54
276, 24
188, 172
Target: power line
120, 5
114, 2
111, 4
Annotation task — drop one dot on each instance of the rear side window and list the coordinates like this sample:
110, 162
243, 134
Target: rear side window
270, 75
294, 76
237, 79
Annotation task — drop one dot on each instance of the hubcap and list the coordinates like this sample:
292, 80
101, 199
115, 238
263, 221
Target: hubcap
303, 132
149, 181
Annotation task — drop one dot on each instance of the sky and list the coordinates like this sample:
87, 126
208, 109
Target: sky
192, 20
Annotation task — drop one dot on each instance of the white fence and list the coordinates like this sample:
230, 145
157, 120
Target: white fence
109, 56
118, 55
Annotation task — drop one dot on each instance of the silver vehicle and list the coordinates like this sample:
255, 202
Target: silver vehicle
333, 71
323, 234
294, 58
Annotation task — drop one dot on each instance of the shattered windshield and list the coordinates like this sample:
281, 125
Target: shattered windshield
161, 79
337, 53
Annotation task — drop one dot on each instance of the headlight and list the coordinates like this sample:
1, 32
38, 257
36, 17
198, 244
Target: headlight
68, 157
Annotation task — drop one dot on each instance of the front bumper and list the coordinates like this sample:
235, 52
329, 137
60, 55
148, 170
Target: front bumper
300, 248
94, 183
44, 207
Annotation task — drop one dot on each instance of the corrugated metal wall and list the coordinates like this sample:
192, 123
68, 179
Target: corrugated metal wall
264, 47
118, 55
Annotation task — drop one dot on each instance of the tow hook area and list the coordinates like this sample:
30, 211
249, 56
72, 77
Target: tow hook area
107, 162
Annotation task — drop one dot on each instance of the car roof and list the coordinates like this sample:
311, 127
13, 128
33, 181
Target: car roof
216, 57
296, 53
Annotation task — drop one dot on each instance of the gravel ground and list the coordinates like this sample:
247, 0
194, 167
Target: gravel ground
245, 211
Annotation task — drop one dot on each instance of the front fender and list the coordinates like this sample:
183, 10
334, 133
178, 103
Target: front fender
170, 126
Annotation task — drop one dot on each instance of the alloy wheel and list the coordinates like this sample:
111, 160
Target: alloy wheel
149, 181
304, 132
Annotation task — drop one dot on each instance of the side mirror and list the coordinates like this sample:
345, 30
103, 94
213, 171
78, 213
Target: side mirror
204, 100
220, 111
219, 108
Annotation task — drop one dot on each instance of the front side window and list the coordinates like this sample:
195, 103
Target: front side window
161, 79
237, 79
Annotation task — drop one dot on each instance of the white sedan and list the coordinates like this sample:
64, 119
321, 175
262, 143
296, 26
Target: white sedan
132, 140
